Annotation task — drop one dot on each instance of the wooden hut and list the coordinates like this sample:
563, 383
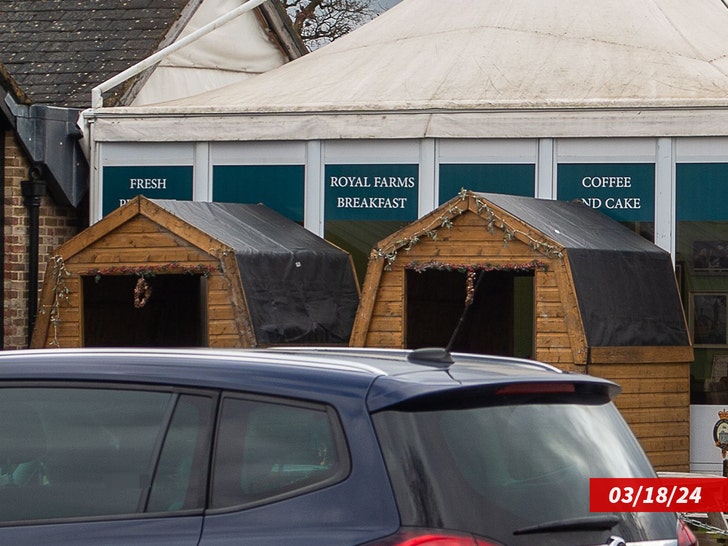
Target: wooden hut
552, 280
181, 273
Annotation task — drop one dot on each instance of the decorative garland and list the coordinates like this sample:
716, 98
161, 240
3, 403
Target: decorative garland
470, 271
59, 273
142, 290
389, 253
420, 267
148, 271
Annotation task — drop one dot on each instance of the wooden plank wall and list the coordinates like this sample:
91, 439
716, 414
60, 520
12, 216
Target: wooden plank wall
467, 242
554, 339
655, 402
140, 242
386, 326
67, 331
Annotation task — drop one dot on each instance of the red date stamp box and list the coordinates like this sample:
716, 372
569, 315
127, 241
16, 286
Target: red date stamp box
658, 494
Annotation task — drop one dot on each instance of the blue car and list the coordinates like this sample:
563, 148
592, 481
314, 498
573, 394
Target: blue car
311, 446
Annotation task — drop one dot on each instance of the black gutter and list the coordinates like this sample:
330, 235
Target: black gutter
33, 190
3, 180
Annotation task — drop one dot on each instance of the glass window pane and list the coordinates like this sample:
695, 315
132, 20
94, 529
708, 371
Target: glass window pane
623, 191
269, 451
122, 183
279, 187
702, 274
75, 452
358, 238
179, 481
365, 203
510, 179
513, 463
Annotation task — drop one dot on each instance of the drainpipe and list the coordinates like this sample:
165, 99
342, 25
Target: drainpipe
97, 98
2, 234
33, 190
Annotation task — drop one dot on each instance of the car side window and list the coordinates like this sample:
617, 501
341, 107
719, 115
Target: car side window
268, 451
180, 479
69, 452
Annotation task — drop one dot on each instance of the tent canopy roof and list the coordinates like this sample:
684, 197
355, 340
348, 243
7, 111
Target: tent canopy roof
474, 69
463, 54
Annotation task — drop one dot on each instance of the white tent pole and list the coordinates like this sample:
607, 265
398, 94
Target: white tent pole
97, 99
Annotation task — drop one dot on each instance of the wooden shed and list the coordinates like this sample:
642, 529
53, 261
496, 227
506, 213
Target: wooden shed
552, 280
181, 273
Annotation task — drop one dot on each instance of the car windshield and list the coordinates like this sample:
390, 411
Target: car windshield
501, 471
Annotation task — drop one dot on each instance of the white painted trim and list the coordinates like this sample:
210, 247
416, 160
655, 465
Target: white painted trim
546, 169
701, 150
313, 196
665, 196
95, 178
121, 154
606, 150
481, 151
352, 152
164, 124
202, 173
258, 153
427, 190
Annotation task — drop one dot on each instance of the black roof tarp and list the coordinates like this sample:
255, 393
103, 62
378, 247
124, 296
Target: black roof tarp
625, 285
298, 287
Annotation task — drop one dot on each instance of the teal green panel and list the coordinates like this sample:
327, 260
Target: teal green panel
509, 179
156, 182
371, 192
702, 191
623, 191
279, 187
359, 238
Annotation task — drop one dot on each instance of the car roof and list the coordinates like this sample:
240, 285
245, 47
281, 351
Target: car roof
383, 376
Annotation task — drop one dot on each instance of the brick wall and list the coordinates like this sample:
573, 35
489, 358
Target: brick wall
56, 225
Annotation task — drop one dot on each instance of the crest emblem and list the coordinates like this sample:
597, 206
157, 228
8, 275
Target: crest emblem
720, 432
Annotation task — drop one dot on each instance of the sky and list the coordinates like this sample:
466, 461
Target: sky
385, 4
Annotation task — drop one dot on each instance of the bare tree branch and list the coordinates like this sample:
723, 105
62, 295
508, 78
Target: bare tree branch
322, 21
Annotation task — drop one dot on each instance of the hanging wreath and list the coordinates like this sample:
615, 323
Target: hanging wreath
469, 288
142, 293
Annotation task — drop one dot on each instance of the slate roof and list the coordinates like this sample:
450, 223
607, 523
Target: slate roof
58, 50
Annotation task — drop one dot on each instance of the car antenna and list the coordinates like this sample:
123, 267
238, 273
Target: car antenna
438, 357
465, 312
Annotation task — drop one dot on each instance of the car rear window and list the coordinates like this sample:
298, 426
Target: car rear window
495, 469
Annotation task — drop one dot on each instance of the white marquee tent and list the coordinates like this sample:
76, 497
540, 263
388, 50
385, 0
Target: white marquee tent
475, 68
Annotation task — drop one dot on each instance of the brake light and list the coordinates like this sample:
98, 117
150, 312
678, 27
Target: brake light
430, 538
536, 388
685, 536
